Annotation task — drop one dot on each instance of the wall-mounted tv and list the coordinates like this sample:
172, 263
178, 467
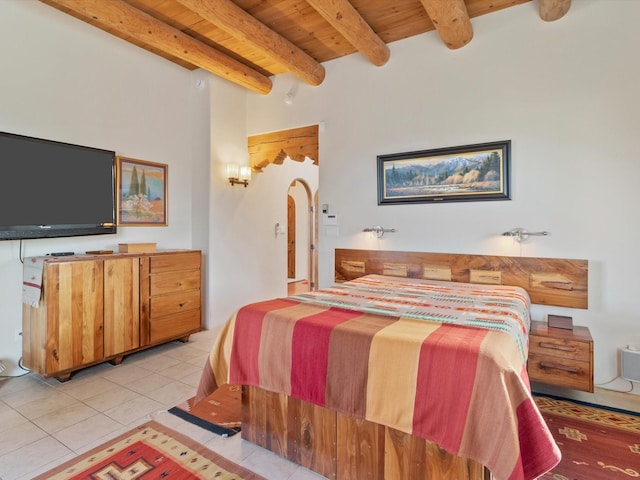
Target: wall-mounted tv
54, 189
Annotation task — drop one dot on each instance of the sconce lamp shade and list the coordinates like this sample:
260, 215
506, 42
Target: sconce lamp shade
245, 173
233, 170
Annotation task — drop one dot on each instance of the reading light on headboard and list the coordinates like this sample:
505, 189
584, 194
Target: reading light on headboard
379, 231
520, 234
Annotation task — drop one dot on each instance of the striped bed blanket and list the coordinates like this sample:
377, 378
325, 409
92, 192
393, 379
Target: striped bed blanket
444, 361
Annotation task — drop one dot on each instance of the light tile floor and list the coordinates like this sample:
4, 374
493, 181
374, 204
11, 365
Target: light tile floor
44, 422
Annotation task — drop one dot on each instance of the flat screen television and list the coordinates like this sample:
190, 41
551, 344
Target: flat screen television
54, 189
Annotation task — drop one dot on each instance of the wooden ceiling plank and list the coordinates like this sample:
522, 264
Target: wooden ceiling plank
124, 18
451, 20
241, 25
551, 10
342, 16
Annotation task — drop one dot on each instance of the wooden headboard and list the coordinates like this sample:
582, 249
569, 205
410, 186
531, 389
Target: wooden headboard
549, 281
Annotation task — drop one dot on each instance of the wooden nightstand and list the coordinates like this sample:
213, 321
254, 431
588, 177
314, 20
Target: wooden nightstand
561, 357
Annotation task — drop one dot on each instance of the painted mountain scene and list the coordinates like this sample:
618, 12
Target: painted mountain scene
478, 172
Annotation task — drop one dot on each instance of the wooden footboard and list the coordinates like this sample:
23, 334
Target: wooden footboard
340, 447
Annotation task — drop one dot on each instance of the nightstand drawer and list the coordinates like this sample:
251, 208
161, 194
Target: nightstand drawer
562, 357
563, 372
559, 347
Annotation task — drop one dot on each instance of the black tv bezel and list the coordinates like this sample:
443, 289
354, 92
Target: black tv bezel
27, 232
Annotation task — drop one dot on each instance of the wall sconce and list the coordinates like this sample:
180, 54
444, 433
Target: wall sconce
379, 231
238, 174
520, 234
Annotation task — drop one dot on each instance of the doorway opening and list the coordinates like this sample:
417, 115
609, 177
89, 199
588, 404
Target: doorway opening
298, 144
301, 238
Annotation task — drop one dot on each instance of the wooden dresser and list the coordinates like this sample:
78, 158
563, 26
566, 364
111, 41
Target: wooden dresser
170, 295
560, 356
97, 308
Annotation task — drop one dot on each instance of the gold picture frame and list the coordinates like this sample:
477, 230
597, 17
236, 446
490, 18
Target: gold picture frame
142, 192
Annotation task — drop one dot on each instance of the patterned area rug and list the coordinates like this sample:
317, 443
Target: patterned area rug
150, 451
597, 443
220, 412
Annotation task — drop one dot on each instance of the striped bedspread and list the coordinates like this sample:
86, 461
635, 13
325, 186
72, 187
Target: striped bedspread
440, 360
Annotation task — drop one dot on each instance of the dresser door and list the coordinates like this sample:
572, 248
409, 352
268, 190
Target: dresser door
121, 305
73, 299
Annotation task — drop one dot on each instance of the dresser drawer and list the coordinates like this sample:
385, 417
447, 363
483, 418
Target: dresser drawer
564, 372
174, 326
559, 347
562, 357
173, 262
170, 282
174, 303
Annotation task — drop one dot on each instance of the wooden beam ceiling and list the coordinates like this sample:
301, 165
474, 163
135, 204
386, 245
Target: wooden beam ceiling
451, 20
236, 22
346, 20
551, 10
248, 41
124, 18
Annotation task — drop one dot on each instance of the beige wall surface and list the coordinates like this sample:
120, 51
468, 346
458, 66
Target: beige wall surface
67, 81
565, 93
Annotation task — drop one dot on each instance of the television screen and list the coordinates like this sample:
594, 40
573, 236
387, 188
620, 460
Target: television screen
54, 189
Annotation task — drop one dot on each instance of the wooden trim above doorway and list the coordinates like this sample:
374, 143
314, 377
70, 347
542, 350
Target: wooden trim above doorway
296, 143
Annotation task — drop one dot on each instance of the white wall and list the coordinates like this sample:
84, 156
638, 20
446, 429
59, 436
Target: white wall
248, 260
65, 80
565, 93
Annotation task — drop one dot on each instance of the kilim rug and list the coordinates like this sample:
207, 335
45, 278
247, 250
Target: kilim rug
597, 443
149, 452
220, 412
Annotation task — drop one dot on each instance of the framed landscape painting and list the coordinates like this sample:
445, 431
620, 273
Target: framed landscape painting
142, 192
453, 174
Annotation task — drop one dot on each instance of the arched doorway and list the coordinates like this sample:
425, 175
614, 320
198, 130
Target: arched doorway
301, 237
297, 144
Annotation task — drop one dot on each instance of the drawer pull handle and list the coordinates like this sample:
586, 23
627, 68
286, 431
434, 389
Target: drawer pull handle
553, 346
557, 366
182, 304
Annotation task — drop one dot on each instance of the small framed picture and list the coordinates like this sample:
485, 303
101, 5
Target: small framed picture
142, 192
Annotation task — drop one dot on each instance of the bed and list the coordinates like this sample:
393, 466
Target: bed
412, 366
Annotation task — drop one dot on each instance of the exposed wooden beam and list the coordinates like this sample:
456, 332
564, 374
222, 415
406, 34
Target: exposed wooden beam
451, 20
296, 143
236, 22
551, 10
124, 18
342, 16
